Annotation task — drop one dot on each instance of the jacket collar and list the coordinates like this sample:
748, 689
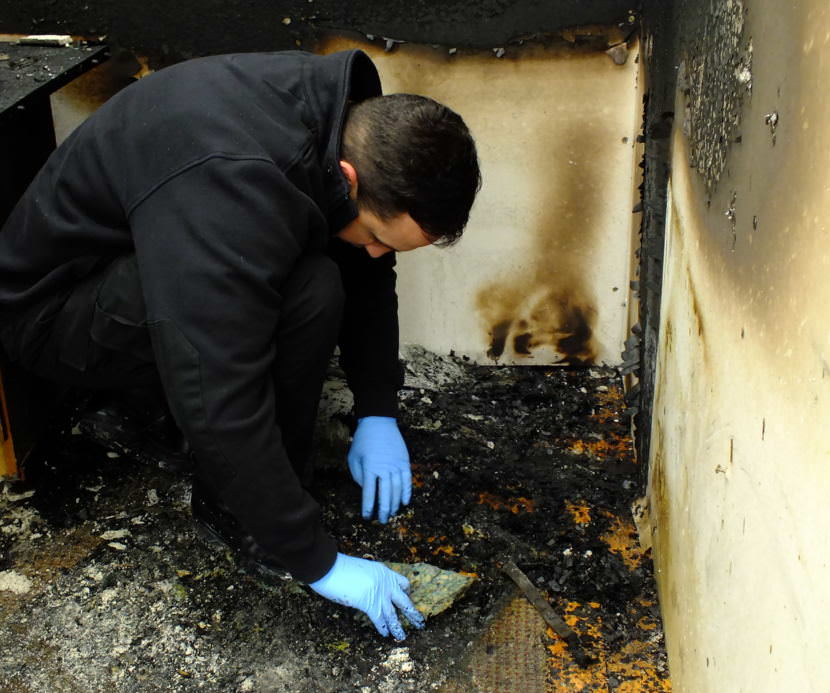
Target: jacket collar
335, 81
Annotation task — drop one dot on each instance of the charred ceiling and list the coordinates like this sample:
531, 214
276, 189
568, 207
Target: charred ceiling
170, 31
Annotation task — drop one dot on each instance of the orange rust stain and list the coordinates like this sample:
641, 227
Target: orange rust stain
522, 505
417, 481
447, 550
616, 446
610, 404
485, 498
514, 505
633, 665
467, 573
622, 540
645, 623
570, 618
580, 512
568, 675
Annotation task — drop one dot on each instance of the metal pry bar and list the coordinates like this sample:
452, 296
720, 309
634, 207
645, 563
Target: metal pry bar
535, 597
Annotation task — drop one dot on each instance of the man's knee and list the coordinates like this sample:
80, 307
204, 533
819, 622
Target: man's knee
119, 321
97, 338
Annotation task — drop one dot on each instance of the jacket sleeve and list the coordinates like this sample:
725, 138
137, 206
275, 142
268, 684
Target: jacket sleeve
214, 245
369, 339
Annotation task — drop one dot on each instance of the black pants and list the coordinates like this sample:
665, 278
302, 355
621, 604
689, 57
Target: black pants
99, 340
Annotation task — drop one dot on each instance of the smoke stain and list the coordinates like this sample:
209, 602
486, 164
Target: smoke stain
521, 343
524, 319
575, 346
499, 333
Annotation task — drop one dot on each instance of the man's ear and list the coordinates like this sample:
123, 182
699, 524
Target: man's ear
351, 175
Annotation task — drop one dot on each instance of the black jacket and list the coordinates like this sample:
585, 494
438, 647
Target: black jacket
219, 173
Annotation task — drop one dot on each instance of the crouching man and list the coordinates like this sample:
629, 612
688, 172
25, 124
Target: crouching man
217, 228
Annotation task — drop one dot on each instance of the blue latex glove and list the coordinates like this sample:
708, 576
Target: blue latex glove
374, 589
379, 463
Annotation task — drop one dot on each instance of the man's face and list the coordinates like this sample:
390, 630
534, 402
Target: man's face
379, 236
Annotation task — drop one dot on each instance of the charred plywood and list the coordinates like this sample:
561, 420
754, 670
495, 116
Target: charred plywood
75, 102
541, 275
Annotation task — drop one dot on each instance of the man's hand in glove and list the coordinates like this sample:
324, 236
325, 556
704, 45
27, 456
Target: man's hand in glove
379, 463
374, 589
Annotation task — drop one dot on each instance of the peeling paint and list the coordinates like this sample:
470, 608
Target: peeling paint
716, 76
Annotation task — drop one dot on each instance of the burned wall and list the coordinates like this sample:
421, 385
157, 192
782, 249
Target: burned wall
739, 479
549, 313
542, 272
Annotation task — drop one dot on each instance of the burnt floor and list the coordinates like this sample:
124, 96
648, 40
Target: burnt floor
104, 587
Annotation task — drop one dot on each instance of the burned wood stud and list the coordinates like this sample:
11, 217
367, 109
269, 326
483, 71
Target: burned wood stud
535, 597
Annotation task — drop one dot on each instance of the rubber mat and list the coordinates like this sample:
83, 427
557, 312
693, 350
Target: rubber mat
510, 658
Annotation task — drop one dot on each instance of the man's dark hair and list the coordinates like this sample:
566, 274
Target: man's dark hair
413, 154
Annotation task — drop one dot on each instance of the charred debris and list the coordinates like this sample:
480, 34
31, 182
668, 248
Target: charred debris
110, 589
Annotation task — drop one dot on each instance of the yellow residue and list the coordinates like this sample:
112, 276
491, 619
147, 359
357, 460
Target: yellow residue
622, 540
340, 646
471, 531
580, 512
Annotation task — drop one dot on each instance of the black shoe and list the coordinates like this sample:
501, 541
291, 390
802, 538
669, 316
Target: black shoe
219, 529
142, 432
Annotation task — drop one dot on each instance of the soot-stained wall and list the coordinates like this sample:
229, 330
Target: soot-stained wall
739, 475
561, 153
170, 31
